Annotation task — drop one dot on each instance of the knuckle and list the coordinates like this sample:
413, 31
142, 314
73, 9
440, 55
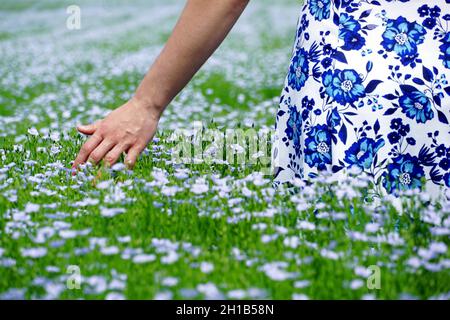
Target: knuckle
95, 157
84, 148
109, 158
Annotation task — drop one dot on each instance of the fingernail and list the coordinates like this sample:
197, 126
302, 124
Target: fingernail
128, 164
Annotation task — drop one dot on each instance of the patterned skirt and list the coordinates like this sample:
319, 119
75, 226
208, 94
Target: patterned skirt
367, 87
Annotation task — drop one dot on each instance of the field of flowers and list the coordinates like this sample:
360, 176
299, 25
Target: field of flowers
182, 231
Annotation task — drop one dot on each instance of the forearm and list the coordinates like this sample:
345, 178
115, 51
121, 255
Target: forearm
202, 27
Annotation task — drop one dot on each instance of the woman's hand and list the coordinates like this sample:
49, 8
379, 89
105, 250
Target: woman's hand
201, 28
127, 129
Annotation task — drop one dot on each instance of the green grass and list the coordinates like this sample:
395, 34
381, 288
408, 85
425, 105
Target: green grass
239, 238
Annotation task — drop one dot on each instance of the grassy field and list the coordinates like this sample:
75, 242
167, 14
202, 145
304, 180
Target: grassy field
168, 230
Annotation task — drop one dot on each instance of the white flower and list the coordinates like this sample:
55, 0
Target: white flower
31, 207
329, 254
356, 284
118, 167
206, 267
299, 296
305, 225
170, 258
7, 262
237, 294
55, 150
67, 234
108, 251
301, 284
55, 136
37, 252
199, 187
169, 191
52, 269
372, 227
181, 174
414, 262
144, 258
43, 234
98, 284
124, 239
426, 254
104, 184
237, 149
13, 294
368, 296
117, 284
169, 281
258, 155
291, 242
362, 271
33, 132
210, 291
111, 212
246, 192
266, 238
275, 271
115, 296
438, 247
163, 295
160, 177
302, 206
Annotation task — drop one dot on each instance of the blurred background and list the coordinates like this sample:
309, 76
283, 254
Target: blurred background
53, 76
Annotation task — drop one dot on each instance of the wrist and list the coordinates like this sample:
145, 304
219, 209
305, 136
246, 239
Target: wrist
147, 104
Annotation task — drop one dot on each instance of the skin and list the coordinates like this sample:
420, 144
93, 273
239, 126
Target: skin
201, 28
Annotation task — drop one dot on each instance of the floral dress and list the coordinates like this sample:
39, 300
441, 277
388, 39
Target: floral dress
367, 87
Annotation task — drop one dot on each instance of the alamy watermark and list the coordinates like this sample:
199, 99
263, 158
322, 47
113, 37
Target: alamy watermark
234, 147
73, 21
374, 280
74, 280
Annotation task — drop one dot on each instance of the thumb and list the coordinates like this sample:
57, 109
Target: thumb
88, 129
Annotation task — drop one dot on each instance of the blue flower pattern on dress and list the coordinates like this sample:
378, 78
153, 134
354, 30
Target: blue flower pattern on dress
349, 32
368, 87
320, 9
344, 86
416, 105
404, 173
403, 37
298, 71
318, 147
362, 153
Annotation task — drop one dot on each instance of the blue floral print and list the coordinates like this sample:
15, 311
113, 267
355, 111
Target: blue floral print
362, 152
298, 71
294, 127
417, 105
318, 147
445, 50
404, 173
344, 86
348, 32
320, 9
368, 87
403, 37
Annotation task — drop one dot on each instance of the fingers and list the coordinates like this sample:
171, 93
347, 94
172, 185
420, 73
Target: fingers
100, 152
114, 154
88, 129
132, 156
86, 150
